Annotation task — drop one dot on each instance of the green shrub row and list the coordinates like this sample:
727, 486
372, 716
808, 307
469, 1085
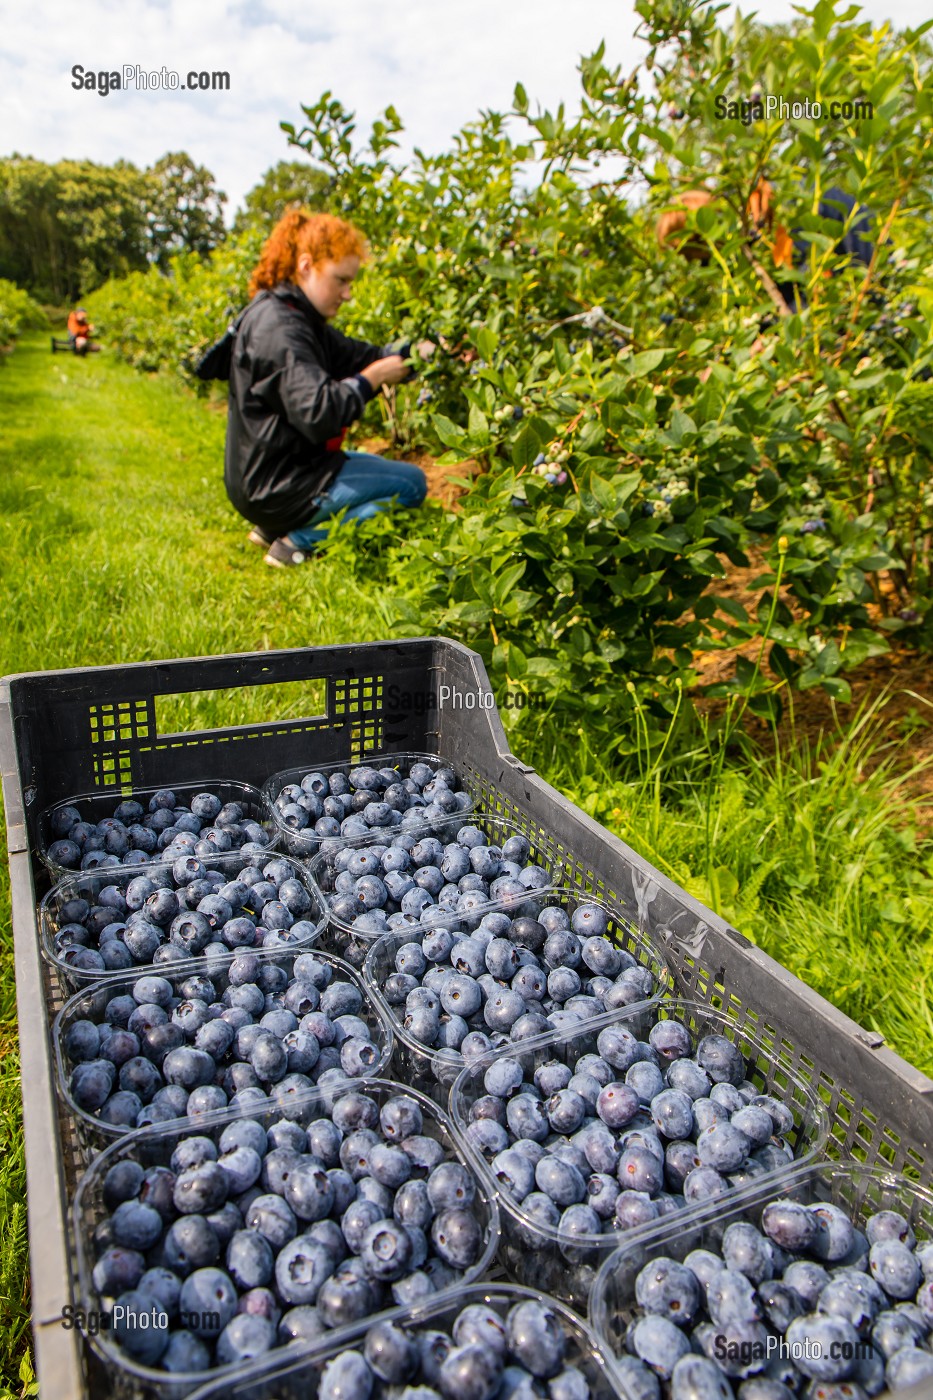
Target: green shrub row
640, 419
18, 312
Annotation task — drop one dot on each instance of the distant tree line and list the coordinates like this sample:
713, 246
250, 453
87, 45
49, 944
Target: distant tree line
68, 227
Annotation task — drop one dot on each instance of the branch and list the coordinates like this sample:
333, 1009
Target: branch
767, 281
783, 310
866, 281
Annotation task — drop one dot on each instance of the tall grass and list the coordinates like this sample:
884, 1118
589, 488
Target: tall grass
814, 850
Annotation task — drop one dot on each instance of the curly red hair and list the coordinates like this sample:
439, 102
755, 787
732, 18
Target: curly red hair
324, 237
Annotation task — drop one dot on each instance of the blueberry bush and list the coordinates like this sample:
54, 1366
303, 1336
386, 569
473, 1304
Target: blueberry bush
639, 418
18, 312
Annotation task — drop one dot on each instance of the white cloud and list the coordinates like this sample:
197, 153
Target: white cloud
438, 66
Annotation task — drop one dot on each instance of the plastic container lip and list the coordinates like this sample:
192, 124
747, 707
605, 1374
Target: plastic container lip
102, 804
799, 1179
283, 1366
442, 918
403, 761
123, 981
710, 1021
70, 887
452, 1059
181, 1382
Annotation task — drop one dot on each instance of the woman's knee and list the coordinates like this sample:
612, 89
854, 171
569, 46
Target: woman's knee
415, 485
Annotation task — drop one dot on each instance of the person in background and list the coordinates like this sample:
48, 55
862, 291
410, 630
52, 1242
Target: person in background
854, 245
673, 221
80, 331
787, 249
297, 384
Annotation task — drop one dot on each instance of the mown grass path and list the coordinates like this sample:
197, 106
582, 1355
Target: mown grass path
117, 543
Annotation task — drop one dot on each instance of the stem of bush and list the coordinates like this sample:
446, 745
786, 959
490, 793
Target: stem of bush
714, 773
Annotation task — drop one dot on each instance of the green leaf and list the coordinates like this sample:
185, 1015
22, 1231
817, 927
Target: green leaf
645, 362
486, 342
681, 424
503, 584
730, 607
626, 486
518, 662
766, 706
604, 493
478, 425
705, 562
829, 659
838, 687
644, 584
781, 663
747, 674
528, 443
449, 433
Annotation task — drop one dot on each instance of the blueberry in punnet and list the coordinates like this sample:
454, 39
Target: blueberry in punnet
140, 1327
536, 1339
301, 1268
190, 1243
698, 1378
347, 1376
617, 1104
457, 1238
118, 1270
835, 1234
894, 1267
744, 1248
828, 1346
668, 1289
790, 1225
249, 1259
244, 1338
471, 1372
136, 1226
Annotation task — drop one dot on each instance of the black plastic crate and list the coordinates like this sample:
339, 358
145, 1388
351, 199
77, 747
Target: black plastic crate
96, 729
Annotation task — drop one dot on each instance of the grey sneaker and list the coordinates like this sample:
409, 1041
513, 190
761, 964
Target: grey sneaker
283, 555
258, 535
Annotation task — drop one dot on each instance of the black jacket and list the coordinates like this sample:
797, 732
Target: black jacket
294, 386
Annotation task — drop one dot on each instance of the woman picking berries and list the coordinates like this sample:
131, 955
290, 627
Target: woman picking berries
296, 385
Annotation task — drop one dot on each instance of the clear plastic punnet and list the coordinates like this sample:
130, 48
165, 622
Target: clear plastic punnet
296, 820
117, 845
620, 1179
448, 877
858, 1190
307, 1276
640, 975
289, 1378
181, 915
282, 977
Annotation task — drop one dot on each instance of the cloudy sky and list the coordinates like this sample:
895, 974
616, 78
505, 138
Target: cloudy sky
438, 64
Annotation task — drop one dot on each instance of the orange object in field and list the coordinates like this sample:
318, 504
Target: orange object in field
759, 204
78, 323
673, 220
783, 247
760, 210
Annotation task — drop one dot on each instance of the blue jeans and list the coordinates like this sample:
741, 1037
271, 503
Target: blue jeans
363, 487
